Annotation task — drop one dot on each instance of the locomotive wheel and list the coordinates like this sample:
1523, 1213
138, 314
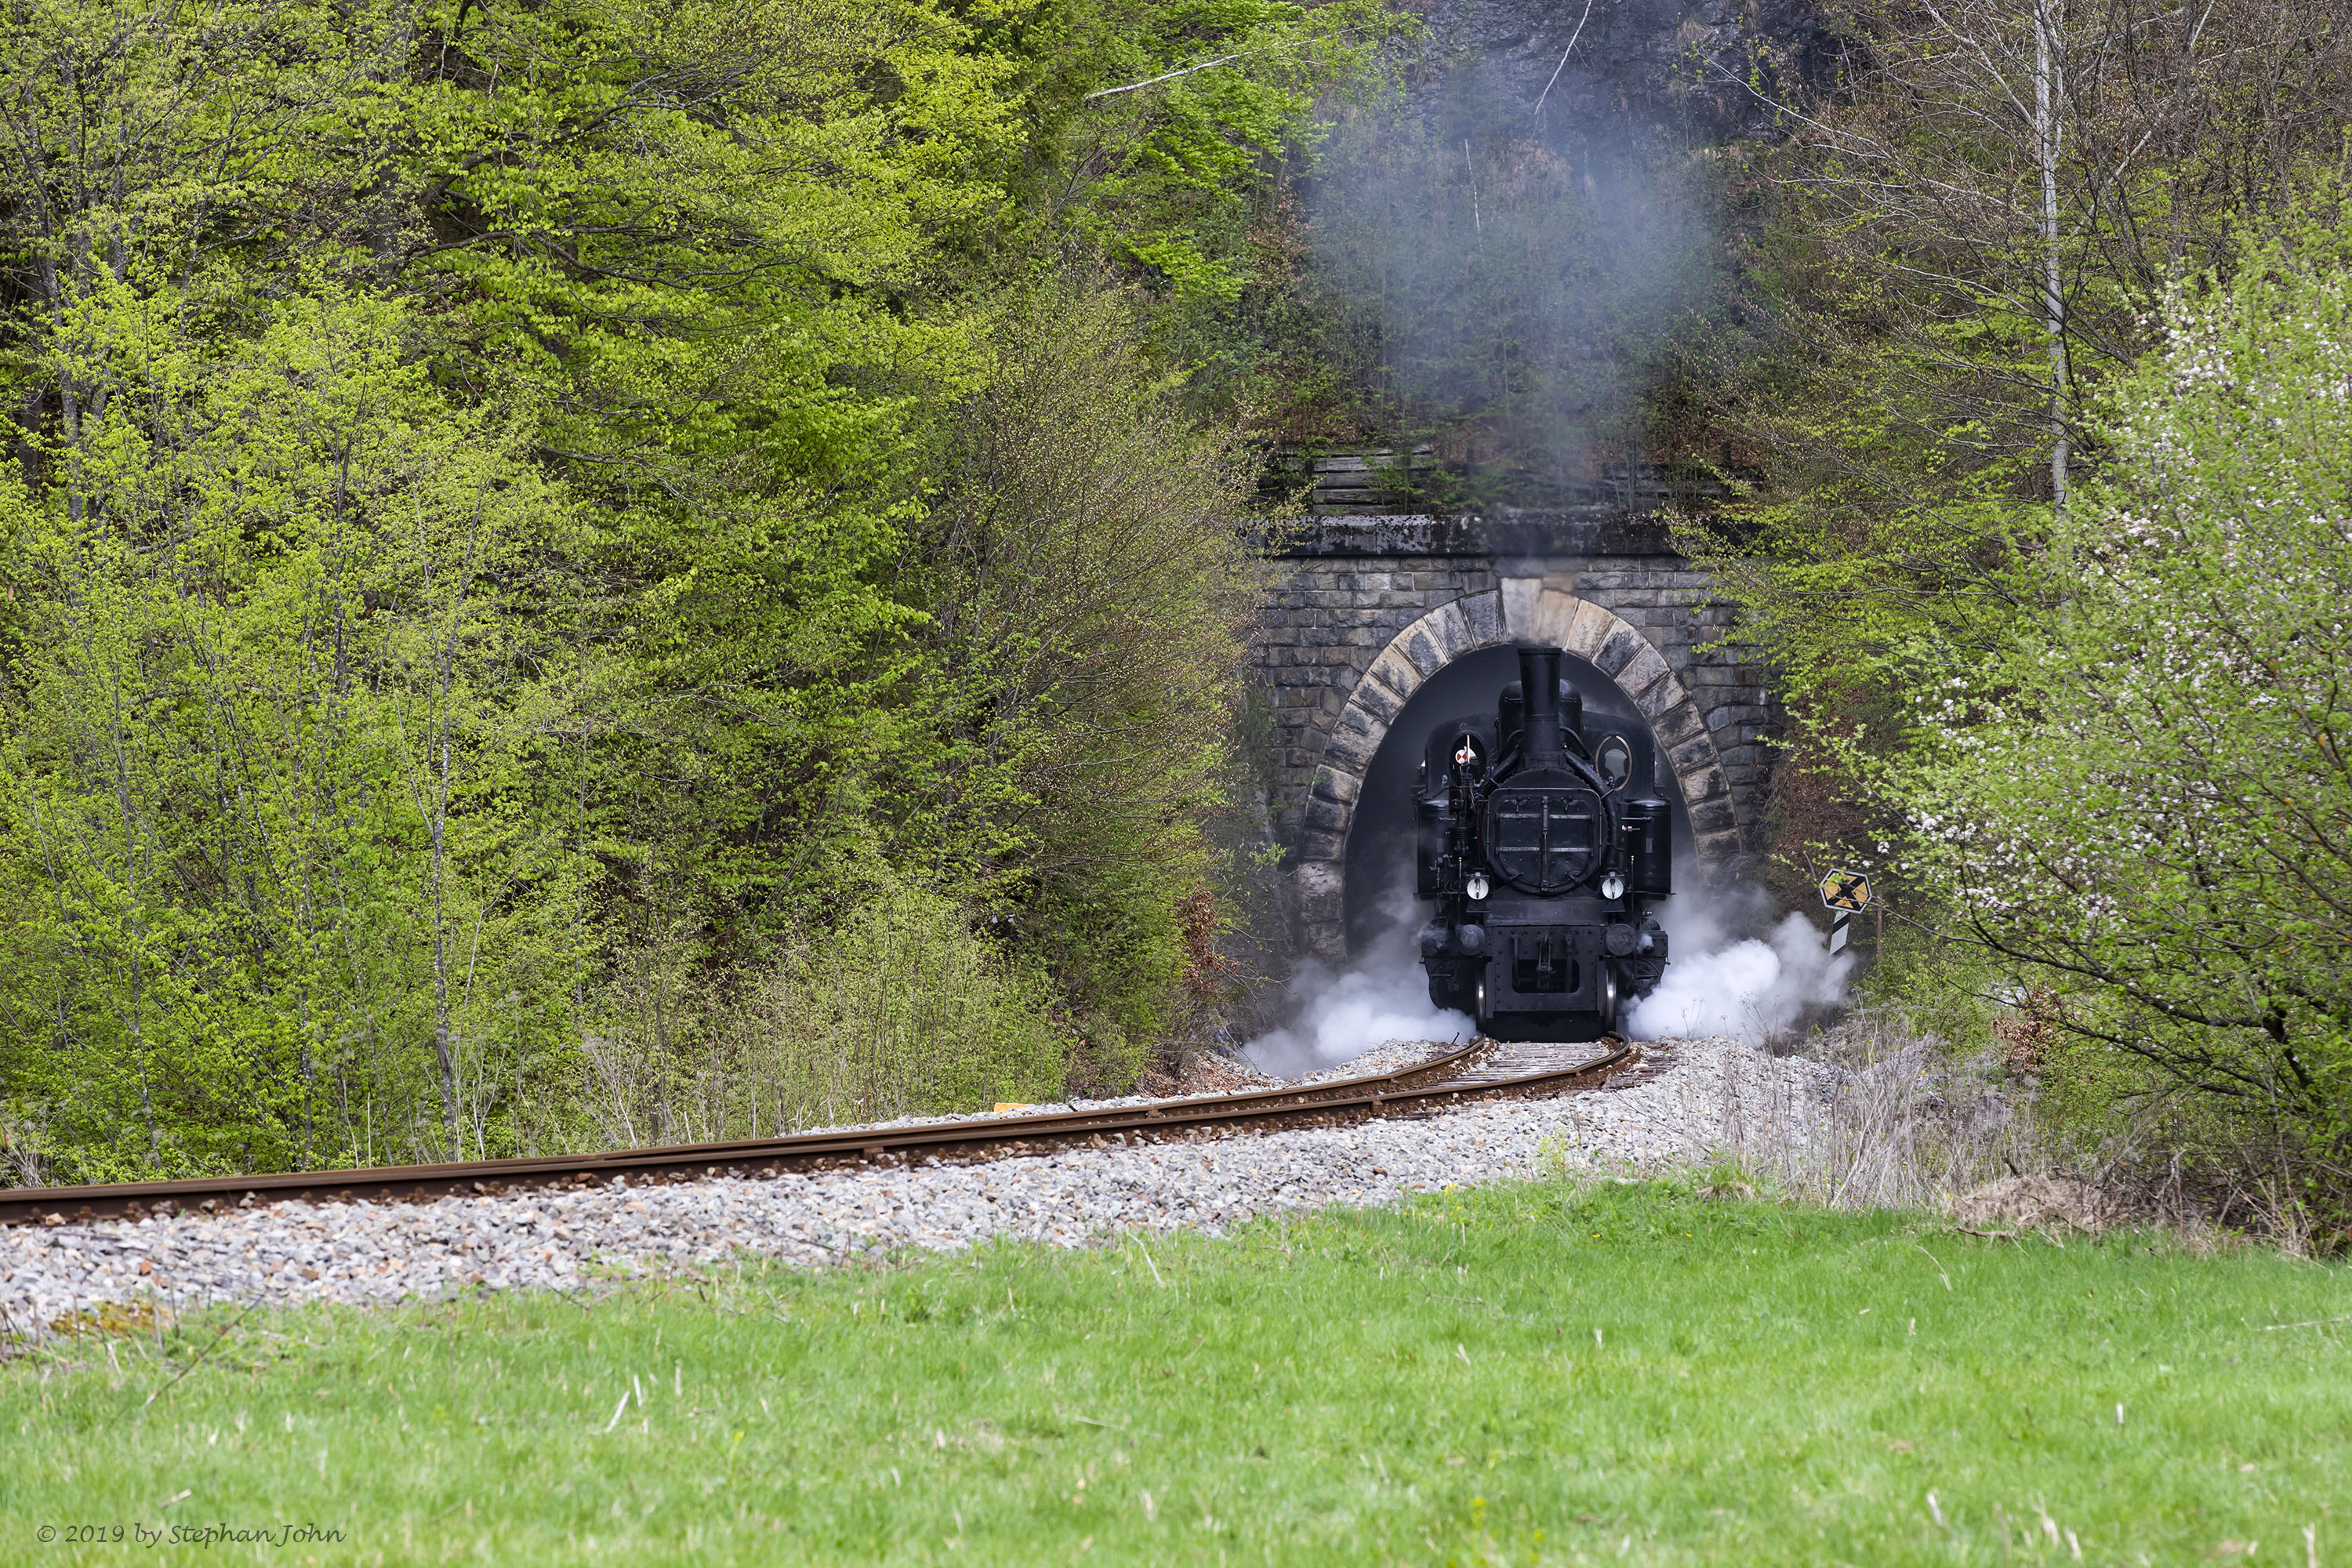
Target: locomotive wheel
1609, 998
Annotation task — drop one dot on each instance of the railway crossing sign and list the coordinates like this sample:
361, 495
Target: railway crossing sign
1847, 891
1846, 894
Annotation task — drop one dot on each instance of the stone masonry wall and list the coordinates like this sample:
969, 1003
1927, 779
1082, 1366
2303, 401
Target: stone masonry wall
1351, 585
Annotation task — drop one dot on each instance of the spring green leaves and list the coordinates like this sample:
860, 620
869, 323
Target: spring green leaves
534, 531
2145, 808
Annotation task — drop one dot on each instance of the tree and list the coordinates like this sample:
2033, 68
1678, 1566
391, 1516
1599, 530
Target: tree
268, 687
1945, 262
485, 596
2142, 810
1094, 588
1900, 391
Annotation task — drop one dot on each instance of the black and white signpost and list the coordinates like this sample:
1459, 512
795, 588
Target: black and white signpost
1845, 894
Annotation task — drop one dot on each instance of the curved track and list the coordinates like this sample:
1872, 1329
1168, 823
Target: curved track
1480, 1071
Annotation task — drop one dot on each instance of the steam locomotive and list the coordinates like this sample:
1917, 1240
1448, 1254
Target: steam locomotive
1544, 850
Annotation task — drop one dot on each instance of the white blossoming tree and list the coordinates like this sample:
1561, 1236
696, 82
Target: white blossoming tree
2146, 814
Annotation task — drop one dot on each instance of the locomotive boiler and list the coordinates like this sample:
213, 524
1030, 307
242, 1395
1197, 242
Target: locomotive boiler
1545, 847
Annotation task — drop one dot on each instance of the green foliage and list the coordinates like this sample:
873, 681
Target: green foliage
2139, 809
264, 748
1943, 263
1863, 577
901, 1008
1952, 269
1091, 589
1509, 1374
1178, 176
525, 522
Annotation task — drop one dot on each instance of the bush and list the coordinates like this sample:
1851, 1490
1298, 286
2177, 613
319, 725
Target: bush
2139, 812
1092, 588
900, 1009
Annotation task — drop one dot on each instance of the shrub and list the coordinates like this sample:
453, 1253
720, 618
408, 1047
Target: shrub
2140, 811
899, 1008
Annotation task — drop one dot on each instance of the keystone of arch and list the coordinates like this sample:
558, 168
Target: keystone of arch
1522, 610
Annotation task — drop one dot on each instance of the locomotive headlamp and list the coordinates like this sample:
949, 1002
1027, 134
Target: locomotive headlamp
1477, 885
1613, 886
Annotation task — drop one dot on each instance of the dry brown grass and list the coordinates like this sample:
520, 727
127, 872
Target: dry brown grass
1901, 1126
1907, 1125
2033, 1203
21, 1161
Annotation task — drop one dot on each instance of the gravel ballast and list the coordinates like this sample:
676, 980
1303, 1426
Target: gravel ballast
1711, 1093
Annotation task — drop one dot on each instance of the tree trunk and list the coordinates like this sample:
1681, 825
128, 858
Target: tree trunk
2049, 87
444, 1045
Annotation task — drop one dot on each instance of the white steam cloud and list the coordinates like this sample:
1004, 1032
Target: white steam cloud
1717, 984
1385, 997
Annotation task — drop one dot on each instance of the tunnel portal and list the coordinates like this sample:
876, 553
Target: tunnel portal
1371, 610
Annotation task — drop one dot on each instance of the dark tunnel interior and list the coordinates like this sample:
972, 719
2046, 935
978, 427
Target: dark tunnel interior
1380, 841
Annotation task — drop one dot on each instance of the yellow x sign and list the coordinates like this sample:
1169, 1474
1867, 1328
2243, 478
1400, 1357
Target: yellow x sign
1847, 891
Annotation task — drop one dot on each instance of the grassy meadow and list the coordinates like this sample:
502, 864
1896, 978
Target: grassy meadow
1526, 1375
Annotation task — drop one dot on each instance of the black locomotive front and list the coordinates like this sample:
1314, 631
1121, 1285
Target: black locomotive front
1545, 849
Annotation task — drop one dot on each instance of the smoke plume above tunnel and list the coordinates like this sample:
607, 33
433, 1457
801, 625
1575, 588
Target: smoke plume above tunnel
1510, 281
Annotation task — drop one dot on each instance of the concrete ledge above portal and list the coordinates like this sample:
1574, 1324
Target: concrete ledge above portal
1573, 532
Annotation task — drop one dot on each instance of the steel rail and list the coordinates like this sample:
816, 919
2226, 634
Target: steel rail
1407, 1091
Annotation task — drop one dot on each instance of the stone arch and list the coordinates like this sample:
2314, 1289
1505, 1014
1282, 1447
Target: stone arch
1520, 610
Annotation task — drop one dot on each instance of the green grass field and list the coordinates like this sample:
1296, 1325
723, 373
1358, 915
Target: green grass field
1513, 1374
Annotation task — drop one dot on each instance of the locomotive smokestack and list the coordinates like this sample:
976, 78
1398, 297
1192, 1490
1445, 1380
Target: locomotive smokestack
1539, 684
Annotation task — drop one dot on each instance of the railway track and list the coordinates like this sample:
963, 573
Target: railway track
1482, 1069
